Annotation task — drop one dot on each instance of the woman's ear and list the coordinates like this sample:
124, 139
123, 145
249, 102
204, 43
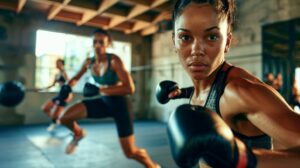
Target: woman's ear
228, 42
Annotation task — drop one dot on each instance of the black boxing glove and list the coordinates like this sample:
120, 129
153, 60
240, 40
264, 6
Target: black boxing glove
196, 133
90, 90
164, 88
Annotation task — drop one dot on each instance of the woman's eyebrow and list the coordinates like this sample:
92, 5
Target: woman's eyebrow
182, 29
206, 30
211, 28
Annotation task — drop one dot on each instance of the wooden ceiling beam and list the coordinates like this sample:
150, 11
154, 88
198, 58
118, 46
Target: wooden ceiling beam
160, 17
137, 10
68, 16
107, 14
115, 20
57, 8
150, 30
156, 3
102, 7
141, 2
7, 6
21, 4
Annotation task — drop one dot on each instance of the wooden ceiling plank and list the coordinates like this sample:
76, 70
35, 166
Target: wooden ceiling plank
102, 7
141, 2
115, 20
156, 3
159, 18
150, 30
137, 10
57, 8
87, 16
21, 4
139, 25
7, 6
162, 16
106, 4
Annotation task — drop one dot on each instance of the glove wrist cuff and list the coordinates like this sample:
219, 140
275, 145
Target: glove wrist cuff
245, 158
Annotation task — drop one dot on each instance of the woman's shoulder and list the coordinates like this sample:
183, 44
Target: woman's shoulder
240, 75
113, 56
240, 80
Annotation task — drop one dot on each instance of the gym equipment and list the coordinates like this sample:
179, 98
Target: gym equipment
90, 90
164, 88
11, 93
196, 133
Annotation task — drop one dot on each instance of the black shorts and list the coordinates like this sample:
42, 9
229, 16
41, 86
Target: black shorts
58, 101
111, 106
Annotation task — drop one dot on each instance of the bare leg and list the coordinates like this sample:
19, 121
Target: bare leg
133, 152
57, 112
47, 107
68, 119
72, 114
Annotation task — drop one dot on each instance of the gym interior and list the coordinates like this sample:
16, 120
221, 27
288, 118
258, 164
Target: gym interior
34, 33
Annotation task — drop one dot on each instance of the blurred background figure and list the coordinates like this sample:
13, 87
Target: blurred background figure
269, 79
61, 77
54, 107
277, 83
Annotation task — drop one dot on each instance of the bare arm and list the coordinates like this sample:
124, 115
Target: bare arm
50, 86
125, 86
267, 111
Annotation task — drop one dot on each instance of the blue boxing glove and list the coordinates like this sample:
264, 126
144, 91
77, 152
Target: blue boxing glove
196, 133
90, 90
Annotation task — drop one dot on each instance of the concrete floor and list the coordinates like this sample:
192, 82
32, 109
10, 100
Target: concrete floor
33, 147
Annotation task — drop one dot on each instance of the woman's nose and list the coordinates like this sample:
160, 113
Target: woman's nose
198, 48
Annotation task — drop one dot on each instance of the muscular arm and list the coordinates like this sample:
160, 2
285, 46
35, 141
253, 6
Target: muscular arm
125, 86
267, 111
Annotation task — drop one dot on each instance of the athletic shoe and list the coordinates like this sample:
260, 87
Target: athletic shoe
74, 143
51, 127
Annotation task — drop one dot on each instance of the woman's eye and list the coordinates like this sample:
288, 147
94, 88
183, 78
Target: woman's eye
212, 38
184, 37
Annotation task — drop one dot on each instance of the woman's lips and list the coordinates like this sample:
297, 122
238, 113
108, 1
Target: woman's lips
197, 66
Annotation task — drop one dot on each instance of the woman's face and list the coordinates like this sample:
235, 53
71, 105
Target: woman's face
59, 64
100, 43
201, 40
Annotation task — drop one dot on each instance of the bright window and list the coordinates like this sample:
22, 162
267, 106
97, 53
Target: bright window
74, 50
